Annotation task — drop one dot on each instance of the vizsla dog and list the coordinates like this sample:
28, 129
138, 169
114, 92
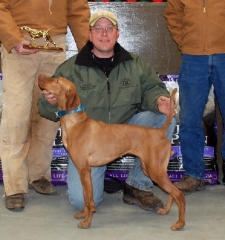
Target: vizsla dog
86, 140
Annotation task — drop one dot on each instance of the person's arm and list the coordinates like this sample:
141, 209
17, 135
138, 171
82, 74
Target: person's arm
78, 21
174, 14
157, 98
47, 109
10, 34
152, 86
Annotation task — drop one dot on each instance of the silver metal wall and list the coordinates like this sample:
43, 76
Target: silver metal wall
143, 31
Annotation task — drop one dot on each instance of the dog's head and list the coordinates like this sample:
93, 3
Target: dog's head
64, 91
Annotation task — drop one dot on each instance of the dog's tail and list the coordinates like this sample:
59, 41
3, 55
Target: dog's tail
171, 113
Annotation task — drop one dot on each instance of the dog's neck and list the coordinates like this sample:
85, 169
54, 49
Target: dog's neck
70, 104
62, 113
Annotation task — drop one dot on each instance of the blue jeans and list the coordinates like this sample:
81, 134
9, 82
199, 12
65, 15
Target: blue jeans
197, 75
136, 177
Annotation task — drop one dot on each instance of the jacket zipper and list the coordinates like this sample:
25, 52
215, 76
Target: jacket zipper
49, 6
204, 6
204, 11
109, 108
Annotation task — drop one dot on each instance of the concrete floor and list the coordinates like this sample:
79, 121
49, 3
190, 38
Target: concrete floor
51, 218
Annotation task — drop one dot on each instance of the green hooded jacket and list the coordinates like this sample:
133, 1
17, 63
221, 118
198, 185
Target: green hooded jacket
131, 85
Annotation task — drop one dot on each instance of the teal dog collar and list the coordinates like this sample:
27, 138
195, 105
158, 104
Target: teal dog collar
62, 113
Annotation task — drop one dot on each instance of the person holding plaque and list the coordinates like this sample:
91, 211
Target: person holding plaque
33, 40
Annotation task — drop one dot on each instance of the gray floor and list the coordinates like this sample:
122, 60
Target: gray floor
51, 218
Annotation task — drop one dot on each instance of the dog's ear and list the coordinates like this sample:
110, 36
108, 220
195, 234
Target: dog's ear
71, 100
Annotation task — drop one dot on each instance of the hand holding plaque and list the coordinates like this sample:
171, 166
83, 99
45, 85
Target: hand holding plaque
37, 34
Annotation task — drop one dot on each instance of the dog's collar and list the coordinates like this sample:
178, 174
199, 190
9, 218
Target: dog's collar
62, 113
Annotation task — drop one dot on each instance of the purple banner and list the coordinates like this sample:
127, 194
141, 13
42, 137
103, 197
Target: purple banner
208, 152
59, 152
59, 178
211, 177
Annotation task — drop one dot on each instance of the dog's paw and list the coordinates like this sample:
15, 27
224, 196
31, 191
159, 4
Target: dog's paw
84, 224
162, 211
177, 226
80, 215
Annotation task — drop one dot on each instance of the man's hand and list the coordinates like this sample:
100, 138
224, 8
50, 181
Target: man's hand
23, 51
50, 97
164, 105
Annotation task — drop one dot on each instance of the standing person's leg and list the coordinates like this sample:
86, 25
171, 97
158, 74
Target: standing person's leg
194, 86
137, 189
18, 80
43, 131
219, 88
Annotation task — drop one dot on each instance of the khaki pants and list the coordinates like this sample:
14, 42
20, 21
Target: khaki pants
26, 139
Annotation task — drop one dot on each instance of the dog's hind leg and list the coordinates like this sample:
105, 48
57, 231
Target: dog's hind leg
163, 181
89, 206
166, 209
178, 197
157, 170
180, 200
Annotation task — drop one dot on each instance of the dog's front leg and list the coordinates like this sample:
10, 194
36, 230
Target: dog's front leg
82, 213
89, 206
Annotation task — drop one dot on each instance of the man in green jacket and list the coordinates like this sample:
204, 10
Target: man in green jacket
115, 86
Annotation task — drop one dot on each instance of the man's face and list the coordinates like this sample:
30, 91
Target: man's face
103, 36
